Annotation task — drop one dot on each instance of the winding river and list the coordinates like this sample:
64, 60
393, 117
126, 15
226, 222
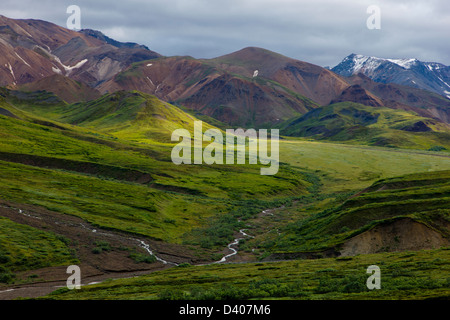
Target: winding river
234, 244
231, 246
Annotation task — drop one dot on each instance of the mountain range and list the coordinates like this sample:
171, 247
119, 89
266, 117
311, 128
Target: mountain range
34, 49
431, 76
252, 87
87, 177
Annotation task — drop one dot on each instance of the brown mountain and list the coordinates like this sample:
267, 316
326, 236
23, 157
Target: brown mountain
255, 86
356, 93
66, 89
34, 49
202, 85
395, 96
252, 86
309, 80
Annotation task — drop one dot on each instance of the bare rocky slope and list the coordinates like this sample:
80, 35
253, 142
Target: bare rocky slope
252, 87
34, 49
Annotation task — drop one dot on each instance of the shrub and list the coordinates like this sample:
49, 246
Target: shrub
353, 284
265, 288
97, 250
437, 148
327, 284
4, 259
349, 284
184, 265
5, 275
139, 257
171, 294
103, 245
171, 221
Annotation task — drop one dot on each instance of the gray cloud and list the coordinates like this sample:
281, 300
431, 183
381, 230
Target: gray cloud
320, 32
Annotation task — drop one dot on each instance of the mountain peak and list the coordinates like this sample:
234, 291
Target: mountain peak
33, 49
255, 50
431, 76
99, 35
405, 63
369, 62
253, 54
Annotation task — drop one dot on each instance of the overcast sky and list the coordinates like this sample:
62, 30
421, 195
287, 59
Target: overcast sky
322, 32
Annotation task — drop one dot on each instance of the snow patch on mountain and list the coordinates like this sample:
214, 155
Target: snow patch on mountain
22, 59
56, 70
404, 63
78, 65
447, 93
370, 64
364, 63
431, 76
68, 69
11, 70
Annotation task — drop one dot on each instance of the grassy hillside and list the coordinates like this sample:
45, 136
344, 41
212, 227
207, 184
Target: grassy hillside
377, 126
108, 162
422, 198
130, 186
81, 150
343, 167
94, 161
132, 116
24, 248
406, 275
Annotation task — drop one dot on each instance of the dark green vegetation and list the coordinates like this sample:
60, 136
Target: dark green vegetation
423, 198
86, 175
405, 275
108, 162
106, 175
377, 126
26, 248
114, 184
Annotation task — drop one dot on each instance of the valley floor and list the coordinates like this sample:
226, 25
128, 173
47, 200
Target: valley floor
183, 271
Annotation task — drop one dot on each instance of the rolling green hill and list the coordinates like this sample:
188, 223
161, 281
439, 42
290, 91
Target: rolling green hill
125, 181
107, 162
378, 126
131, 115
390, 208
87, 177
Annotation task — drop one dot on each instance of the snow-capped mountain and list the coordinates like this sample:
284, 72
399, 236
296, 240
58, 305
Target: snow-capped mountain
431, 76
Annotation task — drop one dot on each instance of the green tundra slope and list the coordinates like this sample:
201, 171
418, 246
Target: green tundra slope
107, 162
407, 272
122, 184
378, 126
412, 202
404, 275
